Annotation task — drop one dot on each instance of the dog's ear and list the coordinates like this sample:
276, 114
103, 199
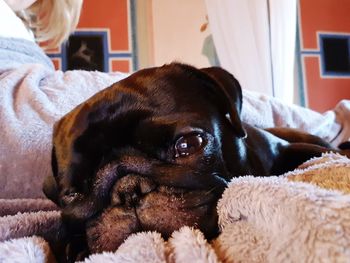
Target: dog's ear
229, 94
50, 187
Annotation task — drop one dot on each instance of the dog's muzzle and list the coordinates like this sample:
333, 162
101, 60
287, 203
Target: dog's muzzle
127, 197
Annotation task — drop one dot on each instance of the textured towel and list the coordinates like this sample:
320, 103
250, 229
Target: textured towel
14, 206
273, 220
265, 112
27, 249
269, 219
32, 97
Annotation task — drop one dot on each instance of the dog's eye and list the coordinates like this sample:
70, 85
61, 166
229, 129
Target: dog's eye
188, 144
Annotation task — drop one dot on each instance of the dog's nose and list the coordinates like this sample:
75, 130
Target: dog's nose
129, 190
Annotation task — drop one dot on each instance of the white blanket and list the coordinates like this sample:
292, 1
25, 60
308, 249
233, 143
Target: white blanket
32, 97
270, 219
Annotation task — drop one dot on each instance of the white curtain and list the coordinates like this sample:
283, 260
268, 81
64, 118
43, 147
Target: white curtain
255, 41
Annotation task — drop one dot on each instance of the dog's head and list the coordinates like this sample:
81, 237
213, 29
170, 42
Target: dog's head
148, 153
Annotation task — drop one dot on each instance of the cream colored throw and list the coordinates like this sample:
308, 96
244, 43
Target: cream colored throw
263, 219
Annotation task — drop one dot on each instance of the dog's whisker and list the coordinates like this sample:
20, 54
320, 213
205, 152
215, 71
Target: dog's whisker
211, 190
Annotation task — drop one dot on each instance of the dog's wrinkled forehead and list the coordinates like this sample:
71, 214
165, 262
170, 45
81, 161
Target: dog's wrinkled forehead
154, 91
174, 86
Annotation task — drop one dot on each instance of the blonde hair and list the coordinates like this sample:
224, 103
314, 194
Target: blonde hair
52, 21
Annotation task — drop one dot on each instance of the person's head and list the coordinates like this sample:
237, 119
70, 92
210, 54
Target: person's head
51, 20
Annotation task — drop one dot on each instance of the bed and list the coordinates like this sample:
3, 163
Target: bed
303, 215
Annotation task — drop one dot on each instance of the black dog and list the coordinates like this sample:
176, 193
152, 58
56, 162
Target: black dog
156, 150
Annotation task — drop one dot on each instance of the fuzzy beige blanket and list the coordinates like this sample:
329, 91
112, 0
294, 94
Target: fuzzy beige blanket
302, 216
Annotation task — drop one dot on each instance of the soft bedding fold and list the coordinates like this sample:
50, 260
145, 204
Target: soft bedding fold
270, 219
14, 206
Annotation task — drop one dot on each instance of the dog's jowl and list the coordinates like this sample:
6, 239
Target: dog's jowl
156, 150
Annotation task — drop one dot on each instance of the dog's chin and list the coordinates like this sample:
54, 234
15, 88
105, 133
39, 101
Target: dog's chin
164, 210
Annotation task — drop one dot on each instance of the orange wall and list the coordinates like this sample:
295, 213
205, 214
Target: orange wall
322, 16
111, 14
113, 17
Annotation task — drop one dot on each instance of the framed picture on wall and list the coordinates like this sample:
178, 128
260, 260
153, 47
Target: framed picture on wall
85, 52
101, 44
